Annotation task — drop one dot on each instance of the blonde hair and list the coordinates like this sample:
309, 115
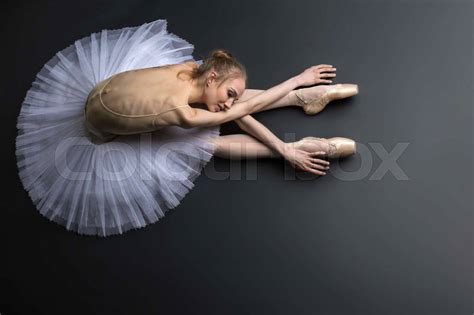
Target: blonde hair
224, 63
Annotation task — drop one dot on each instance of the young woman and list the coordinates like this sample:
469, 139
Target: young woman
112, 133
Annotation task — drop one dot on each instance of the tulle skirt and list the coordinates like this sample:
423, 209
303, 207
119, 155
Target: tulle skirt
105, 188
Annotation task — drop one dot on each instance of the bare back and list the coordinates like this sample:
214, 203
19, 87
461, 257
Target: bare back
144, 100
156, 93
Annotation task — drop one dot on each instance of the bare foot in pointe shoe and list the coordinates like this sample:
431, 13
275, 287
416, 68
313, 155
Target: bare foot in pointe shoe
335, 147
314, 99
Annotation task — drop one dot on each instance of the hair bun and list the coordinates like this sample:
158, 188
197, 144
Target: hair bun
223, 63
221, 53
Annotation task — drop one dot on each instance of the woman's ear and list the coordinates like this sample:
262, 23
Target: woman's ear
211, 77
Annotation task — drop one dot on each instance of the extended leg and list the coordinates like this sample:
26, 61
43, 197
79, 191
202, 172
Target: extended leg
240, 146
311, 99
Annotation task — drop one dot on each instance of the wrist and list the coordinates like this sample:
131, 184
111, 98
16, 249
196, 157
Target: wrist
284, 149
279, 148
297, 81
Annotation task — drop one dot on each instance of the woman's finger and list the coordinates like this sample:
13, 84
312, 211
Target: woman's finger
329, 69
326, 75
323, 163
319, 161
317, 172
317, 153
323, 66
319, 167
311, 170
315, 169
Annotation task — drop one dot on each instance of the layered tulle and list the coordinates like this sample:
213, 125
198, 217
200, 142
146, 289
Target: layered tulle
108, 188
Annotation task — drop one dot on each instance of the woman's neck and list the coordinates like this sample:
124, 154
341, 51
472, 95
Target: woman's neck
197, 92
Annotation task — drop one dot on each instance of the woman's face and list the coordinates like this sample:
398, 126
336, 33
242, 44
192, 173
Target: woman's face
222, 95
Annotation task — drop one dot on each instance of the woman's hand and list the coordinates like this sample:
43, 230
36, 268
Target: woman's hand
314, 75
306, 161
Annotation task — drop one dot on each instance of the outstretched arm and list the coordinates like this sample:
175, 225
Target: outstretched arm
298, 158
195, 117
310, 76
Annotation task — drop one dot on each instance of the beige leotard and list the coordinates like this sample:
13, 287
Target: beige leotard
131, 103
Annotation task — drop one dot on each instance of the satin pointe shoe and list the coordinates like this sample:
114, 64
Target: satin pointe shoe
312, 106
338, 147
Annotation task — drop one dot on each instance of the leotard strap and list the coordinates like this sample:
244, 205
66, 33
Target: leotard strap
124, 115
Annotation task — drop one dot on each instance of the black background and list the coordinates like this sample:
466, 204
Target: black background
269, 245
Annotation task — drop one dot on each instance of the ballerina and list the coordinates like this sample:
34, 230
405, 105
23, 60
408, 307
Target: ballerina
150, 99
102, 96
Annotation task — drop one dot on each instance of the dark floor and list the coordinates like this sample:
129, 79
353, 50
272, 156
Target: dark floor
388, 231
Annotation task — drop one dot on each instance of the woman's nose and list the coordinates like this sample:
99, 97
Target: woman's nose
228, 103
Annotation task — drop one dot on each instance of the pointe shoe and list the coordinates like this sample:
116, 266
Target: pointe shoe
315, 105
339, 147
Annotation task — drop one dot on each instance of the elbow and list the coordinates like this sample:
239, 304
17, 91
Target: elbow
186, 122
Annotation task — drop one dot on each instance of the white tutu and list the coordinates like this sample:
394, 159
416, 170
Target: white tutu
109, 188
